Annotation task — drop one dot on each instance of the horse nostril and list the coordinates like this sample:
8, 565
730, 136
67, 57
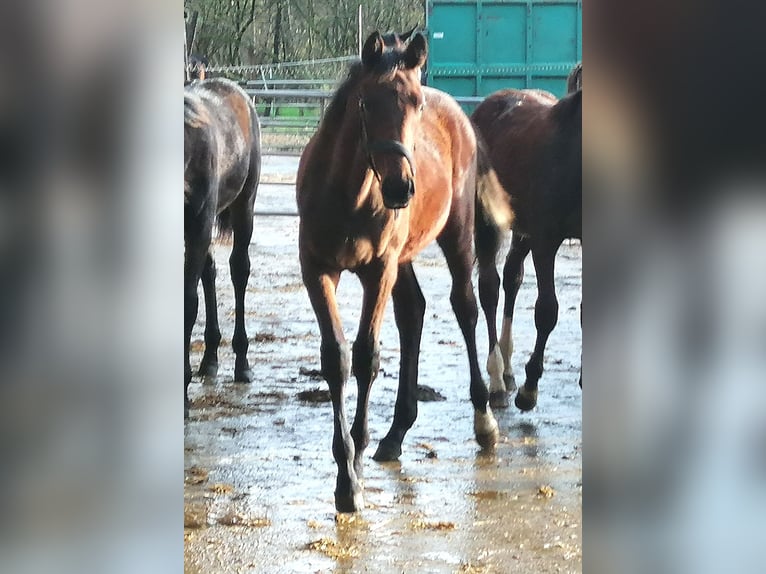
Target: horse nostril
397, 192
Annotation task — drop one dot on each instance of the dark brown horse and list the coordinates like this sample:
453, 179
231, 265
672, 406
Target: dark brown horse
392, 167
222, 164
535, 145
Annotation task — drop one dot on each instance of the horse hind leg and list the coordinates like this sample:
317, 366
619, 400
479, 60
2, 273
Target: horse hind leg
208, 368
546, 316
195, 253
489, 293
409, 310
456, 249
239, 263
513, 276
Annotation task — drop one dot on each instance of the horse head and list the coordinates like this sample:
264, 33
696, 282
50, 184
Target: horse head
390, 106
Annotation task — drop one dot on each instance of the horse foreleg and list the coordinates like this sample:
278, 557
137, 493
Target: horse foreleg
409, 309
546, 316
378, 281
513, 276
335, 359
239, 264
208, 368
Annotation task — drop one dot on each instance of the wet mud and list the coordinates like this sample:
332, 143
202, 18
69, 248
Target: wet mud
259, 473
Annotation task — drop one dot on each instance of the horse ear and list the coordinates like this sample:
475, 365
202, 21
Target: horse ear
406, 35
373, 50
417, 52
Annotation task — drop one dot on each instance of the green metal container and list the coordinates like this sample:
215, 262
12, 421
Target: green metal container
477, 47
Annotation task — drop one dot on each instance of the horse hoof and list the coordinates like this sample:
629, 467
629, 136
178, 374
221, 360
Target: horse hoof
581, 381
244, 376
510, 382
498, 399
349, 503
387, 452
485, 429
208, 372
526, 400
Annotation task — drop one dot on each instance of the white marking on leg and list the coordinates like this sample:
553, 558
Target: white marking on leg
485, 425
506, 346
495, 370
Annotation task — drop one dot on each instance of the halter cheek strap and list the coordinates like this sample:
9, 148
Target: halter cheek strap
385, 146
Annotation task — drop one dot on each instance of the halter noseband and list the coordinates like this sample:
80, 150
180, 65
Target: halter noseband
370, 147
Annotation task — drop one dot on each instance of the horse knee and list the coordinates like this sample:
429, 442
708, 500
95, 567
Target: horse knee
335, 361
365, 359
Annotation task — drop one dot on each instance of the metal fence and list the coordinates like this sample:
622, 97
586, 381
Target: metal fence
290, 111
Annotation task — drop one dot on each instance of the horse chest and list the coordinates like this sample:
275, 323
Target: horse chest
351, 247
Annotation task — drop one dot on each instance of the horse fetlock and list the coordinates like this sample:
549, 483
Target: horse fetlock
242, 372
388, 450
498, 399
208, 367
347, 503
485, 428
526, 399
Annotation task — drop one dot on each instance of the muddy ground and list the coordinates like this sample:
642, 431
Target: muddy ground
259, 473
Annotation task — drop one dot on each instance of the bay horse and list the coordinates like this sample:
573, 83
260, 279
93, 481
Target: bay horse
535, 146
392, 166
222, 165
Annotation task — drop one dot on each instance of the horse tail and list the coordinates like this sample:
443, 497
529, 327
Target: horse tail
223, 224
493, 214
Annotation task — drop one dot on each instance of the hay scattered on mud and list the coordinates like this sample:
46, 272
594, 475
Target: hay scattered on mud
491, 495
221, 488
195, 475
350, 520
420, 524
195, 516
430, 451
545, 491
333, 549
234, 518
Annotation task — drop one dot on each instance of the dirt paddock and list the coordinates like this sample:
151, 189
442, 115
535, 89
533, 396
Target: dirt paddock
259, 472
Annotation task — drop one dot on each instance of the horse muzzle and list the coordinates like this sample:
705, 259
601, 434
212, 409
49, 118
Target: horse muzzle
397, 192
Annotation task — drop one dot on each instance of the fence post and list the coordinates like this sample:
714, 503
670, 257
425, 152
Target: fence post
359, 32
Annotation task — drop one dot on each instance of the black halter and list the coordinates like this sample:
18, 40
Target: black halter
371, 147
